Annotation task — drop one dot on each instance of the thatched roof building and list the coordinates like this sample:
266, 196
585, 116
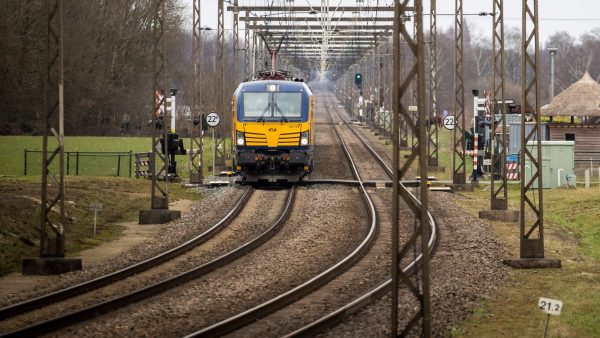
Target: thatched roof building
582, 98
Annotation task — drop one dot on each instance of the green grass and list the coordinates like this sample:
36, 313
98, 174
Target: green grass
13, 147
122, 198
571, 235
577, 211
445, 154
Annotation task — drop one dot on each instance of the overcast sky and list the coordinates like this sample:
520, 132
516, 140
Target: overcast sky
575, 16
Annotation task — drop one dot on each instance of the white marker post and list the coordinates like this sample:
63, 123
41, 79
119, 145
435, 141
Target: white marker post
587, 178
95, 207
551, 307
213, 120
171, 108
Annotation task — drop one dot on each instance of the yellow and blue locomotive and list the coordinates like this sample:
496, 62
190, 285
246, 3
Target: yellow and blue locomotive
273, 128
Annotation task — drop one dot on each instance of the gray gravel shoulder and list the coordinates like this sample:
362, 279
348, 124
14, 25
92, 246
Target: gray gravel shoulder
466, 268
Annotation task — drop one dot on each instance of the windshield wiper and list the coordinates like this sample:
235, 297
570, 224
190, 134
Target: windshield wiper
262, 115
283, 118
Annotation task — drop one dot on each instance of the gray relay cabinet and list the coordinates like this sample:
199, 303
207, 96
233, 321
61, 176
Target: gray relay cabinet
558, 163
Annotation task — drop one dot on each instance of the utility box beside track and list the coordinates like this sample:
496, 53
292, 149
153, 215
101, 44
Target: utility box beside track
558, 163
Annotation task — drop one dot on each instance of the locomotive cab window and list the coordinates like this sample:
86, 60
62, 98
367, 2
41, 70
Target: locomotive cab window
272, 106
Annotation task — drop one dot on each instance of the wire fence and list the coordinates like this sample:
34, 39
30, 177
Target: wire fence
588, 160
81, 163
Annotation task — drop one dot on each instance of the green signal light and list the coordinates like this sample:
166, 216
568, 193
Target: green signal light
358, 79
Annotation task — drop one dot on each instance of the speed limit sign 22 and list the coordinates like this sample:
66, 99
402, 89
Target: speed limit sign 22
212, 119
449, 122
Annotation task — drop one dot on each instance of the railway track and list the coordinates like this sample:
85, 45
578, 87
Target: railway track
276, 307
60, 295
268, 326
243, 319
378, 291
246, 317
139, 294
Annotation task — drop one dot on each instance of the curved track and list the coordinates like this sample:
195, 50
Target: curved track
242, 319
360, 302
137, 295
99, 282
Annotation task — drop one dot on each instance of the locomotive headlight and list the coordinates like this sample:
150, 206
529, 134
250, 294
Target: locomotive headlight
304, 138
239, 136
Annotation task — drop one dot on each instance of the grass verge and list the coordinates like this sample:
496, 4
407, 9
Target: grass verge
571, 235
122, 198
12, 157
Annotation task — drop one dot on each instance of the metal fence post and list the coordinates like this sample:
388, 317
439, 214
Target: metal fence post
77, 164
130, 158
137, 165
25, 162
68, 162
119, 165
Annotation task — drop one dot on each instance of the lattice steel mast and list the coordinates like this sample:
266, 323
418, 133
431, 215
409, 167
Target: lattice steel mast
419, 287
196, 158
247, 47
499, 194
532, 211
53, 246
160, 196
432, 148
236, 34
219, 145
52, 258
459, 169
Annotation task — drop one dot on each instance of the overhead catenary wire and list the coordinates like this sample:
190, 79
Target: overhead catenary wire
348, 44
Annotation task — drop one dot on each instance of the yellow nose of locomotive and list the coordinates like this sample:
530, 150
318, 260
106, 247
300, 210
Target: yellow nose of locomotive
272, 134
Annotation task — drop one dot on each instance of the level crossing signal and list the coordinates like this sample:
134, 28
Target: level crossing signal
358, 80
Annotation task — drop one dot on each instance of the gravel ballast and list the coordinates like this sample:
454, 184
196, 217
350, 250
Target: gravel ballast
301, 250
466, 268
327, 222
244, 228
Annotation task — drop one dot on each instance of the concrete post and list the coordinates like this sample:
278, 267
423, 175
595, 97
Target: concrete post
587, 178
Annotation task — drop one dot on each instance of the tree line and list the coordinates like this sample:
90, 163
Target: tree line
108, 65
108, 49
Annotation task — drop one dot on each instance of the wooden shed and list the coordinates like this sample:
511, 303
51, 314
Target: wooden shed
575, 116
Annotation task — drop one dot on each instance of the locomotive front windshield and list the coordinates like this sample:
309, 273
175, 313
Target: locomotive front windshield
277, 106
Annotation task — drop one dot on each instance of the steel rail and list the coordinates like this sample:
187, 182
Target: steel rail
242, 319
149, 291
60, 295
370, 183
345, 311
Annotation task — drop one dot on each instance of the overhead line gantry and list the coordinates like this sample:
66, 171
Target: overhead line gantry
327, 26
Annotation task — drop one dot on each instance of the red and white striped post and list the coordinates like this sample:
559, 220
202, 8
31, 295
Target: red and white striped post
475, 151
511, 171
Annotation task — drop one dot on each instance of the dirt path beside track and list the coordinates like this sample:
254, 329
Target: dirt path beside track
133, 235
